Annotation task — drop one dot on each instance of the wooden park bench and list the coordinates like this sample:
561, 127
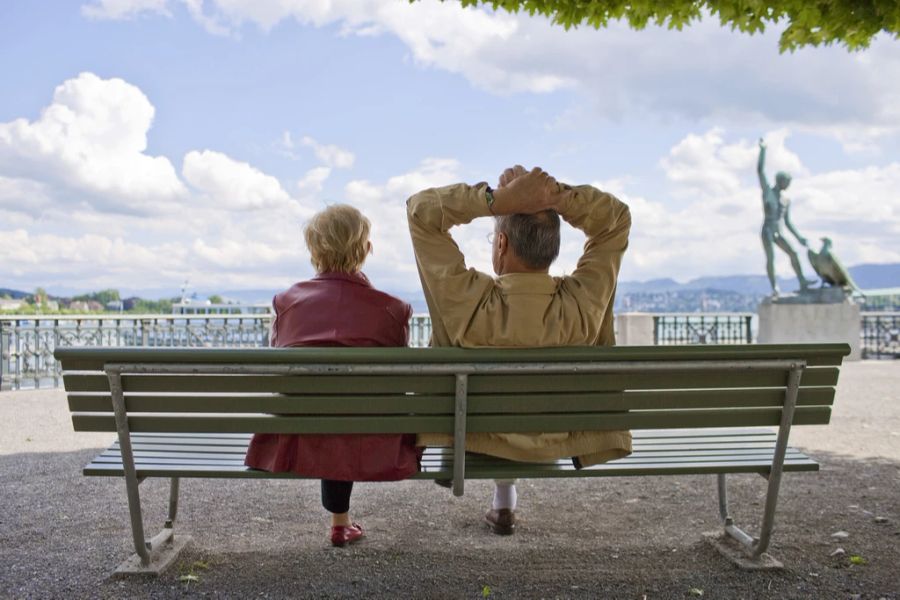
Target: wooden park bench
182, 413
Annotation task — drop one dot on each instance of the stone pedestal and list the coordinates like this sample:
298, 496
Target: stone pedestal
634, 329
788, 322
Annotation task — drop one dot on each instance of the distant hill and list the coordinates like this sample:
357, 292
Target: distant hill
14, 294
867, 276
727, 292
875, 277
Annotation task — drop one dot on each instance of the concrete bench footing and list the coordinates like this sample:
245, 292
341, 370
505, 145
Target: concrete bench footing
735, 552
161, 558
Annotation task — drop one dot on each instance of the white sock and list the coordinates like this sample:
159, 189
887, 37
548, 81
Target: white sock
504, 496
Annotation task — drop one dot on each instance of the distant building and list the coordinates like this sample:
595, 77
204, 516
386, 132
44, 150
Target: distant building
195, 306
115, 306
85, 306
883, 300
7, 304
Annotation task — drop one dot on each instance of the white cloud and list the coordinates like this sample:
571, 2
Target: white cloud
705, 71
82, 206
102, 260
23, 196
705, 165
392, 264
330, 154
313, 180
124, 9
232, 184
92, 139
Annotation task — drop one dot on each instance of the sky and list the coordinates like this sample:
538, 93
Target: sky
145, 143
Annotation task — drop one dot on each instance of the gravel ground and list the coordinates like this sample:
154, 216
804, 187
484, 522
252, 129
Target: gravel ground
62, 534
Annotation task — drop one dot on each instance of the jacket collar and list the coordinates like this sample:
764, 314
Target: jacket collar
358, 278
527, 283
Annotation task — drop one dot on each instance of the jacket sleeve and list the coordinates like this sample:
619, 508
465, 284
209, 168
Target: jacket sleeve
606, 221
404, 311
453, 292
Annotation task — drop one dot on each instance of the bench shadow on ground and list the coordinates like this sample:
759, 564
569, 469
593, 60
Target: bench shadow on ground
62, 534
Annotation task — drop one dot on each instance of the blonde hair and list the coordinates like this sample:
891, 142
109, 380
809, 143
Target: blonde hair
338, 239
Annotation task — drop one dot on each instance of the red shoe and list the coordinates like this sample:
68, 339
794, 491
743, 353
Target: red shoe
341, 535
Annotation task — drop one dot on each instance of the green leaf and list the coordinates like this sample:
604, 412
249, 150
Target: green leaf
856, 559
852, 23
189, 578
200, 564
486, 591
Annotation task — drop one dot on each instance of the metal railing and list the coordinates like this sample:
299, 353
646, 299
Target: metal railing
27, 342
880, 335
420, 331
702, 328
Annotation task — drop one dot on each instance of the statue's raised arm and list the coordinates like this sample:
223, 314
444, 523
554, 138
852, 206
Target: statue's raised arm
761, 165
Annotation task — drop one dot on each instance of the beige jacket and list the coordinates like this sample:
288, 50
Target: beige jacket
472, 309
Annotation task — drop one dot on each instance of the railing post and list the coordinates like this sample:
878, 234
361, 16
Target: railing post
57, 370
145, 333
4, 356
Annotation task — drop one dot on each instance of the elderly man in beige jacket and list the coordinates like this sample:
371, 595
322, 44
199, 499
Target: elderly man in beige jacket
523, 306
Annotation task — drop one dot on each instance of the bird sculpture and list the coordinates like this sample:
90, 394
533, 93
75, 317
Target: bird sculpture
829, 268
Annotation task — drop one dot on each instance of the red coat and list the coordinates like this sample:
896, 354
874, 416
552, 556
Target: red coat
338, 309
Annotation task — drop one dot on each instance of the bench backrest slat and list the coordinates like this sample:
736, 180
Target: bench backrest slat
444, 384
94, 359
444, 404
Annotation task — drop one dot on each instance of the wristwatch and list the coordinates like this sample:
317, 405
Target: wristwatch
489, 198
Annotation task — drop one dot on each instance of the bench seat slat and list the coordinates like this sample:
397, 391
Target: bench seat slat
181, 458
141, 461
232, 455
512, 470
804, 415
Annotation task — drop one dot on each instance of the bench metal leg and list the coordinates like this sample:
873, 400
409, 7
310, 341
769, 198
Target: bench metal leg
459, 435
131, 481
142, 546
756, 547
173, 503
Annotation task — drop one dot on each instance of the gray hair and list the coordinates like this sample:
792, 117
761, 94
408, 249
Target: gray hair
534, 238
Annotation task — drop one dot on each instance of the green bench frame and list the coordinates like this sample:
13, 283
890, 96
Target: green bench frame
190, 412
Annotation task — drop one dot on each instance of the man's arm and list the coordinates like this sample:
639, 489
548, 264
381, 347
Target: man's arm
606, 221
452, 291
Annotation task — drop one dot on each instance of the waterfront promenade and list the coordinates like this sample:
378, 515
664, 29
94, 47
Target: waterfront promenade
62, 534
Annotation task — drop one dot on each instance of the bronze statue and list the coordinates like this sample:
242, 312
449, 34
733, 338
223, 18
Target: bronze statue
777, 210
829, 268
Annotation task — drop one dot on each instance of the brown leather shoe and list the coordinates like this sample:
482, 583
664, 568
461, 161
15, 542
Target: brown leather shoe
501, 521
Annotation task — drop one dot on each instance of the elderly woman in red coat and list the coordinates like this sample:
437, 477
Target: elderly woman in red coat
338, 307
